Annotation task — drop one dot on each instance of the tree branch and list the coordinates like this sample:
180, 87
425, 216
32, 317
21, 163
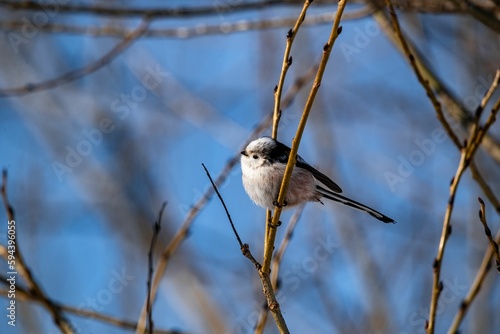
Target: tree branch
81, 72
269, 244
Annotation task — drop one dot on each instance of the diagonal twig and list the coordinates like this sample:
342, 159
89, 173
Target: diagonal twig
487, 231
423, 81
491, 252
81, 72
453, 107
267, 286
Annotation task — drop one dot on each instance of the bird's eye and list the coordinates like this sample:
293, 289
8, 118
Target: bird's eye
255, 156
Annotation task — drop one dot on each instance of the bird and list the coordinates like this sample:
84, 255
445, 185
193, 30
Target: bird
263, 164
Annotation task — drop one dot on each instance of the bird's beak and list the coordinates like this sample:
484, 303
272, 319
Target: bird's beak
244, 153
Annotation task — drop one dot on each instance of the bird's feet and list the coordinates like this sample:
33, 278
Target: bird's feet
278, 205
270, 224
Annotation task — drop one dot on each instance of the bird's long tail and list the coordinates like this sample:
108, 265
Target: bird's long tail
349, 202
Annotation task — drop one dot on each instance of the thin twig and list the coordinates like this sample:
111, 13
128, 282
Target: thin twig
487, 231
467, 155
484, 268
81, 72
224, 205
154, 238
20, 266
336, 30
267, 286
287, 62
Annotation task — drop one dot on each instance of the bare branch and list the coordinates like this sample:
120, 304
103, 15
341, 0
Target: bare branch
453, 108
335, 32
487, 231
484, 268
197, 30
81, 72
287, 62
261, 323
425, 83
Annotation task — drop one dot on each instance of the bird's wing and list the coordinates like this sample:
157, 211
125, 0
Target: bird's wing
318, 175
282, 153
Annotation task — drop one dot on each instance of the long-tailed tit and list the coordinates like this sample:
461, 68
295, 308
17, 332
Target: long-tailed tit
263, 164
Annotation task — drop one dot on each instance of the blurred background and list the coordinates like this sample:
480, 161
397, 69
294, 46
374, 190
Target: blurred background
103, 120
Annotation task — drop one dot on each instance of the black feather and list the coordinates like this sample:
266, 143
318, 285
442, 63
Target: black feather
281, 152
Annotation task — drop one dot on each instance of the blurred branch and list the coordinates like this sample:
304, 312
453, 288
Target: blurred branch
20, 266
485, 187
25, 295
453, 107
183, 231
81, 72
481, 12
198, 30
277, 259
425, 83
158, 12
327, 48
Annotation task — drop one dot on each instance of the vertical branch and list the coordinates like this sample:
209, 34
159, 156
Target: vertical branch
467, 155
287, 62
484, 268
261, 323
156, 232
468, 150
327, 48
